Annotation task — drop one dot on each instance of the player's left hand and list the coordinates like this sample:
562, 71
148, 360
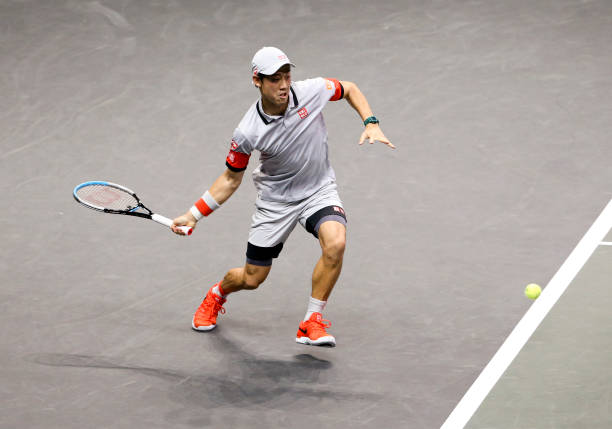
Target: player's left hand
374, 133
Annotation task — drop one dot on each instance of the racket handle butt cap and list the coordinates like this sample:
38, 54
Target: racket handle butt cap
186, 229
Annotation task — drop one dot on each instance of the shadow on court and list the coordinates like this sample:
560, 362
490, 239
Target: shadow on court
242, 379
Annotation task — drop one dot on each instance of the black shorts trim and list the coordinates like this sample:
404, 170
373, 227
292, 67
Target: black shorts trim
331, 212
262, 256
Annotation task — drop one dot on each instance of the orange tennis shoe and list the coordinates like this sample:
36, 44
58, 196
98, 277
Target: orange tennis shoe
312, 332
205, 318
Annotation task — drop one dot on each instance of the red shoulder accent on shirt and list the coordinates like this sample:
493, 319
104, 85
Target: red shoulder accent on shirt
237, 161
339, 89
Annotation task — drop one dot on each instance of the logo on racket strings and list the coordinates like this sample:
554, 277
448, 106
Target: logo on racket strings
104, 197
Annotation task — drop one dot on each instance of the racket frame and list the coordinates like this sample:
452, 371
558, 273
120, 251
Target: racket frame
132, 211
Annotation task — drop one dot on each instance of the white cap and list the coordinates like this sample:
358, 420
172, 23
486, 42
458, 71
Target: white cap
268, 60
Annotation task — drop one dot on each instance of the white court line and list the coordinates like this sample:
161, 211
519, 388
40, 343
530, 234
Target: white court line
606, 243
489, 376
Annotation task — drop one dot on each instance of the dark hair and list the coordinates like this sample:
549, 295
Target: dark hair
286, 66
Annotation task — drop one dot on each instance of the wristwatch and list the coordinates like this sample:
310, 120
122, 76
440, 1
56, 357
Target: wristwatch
371, 120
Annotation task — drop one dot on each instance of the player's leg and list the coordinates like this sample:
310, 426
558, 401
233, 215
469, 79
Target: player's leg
328, 225
248, 277
332, 238
272, 224
312, 330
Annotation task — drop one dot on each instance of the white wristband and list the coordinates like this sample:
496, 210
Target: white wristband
196, 213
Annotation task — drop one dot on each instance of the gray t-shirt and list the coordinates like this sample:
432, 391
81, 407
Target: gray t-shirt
293, 148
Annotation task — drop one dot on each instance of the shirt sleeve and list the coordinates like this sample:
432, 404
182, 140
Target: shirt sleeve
334, 89
239, 153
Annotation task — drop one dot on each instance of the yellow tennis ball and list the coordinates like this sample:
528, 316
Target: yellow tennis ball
532, 291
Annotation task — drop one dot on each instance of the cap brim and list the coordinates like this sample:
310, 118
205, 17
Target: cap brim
274, 68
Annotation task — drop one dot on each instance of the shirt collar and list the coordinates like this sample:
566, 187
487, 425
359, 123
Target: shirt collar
267, 119
295, 99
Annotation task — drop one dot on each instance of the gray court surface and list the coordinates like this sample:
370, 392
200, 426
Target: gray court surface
501, 112
561, 379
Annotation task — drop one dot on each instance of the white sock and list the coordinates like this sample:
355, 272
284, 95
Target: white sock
314, 306
216, 291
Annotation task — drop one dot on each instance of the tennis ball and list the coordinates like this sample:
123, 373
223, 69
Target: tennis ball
532, 291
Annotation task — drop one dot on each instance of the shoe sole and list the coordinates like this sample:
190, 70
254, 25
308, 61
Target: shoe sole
203, 328
323, 341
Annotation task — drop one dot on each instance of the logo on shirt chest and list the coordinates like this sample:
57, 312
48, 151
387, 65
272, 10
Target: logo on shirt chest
303, 112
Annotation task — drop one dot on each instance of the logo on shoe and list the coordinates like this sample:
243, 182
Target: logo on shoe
304, 331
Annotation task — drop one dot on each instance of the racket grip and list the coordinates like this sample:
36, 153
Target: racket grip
168, 222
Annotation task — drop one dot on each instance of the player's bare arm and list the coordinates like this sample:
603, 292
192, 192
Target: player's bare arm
358, 101
225, 185
220, 191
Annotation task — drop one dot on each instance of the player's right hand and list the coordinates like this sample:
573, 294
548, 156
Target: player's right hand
185, 220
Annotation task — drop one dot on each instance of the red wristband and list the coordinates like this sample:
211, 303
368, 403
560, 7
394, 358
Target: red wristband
203, 207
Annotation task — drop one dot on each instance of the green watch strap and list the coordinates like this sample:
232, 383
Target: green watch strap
371, 120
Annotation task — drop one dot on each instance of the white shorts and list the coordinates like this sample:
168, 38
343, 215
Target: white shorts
274, 221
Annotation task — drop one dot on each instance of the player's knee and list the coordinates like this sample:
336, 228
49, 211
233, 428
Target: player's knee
252, 283
333, 251
254, 276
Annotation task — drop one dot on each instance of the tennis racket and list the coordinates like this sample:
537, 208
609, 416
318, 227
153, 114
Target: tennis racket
112, 198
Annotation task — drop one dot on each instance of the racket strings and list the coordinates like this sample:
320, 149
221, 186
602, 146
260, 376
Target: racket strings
107, 197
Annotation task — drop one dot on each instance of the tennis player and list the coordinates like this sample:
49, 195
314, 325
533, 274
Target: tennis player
295, 184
